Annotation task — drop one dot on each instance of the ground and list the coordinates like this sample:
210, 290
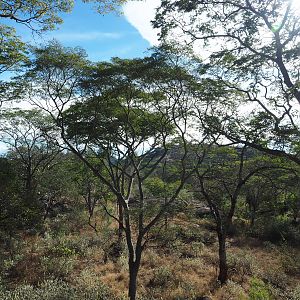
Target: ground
182, 263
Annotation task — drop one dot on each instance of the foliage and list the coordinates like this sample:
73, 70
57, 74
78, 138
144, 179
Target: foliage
13, 50
241, 264
38, 16
295, 294
53, 289
58, 267
255, 39
278, 229
233, 290
162, 277
258, 290
15, 212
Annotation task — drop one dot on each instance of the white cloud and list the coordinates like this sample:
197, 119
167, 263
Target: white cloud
140, 14
84, 36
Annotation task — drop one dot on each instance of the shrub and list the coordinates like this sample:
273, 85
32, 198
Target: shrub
279, 229
295, 294
166, 238
57, 290
275, 277
290, 261
151, 258
241, 263
59, 267
193, 250
2, 285
9, 266
258, 290
162, 277
233, 291
122, 262
191, 234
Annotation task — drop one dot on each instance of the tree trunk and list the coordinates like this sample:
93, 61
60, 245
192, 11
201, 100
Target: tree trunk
252, 217
166, 216
223, 268
134, 266
121, 218
133, 272
28, 187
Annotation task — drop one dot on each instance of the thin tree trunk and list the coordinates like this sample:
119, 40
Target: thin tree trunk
166, 216
120, 228
252, 218
223, 268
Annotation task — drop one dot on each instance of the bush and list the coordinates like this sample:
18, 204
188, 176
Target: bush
295, 294
290, 261
2, 285
57, 290
122, 262
233, 291
258, 290
59, 267
279, 229
162, 277
10, 266
275, 277
166, 238
241, 263
191, 234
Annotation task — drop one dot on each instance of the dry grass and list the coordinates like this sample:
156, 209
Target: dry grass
182, 272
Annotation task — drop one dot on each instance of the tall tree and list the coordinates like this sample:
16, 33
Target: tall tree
222, 178
253, 47
119, 118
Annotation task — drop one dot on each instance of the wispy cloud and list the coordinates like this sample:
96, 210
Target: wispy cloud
121, 51
85, 36
140, 14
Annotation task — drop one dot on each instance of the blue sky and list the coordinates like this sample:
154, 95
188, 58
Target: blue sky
103, 37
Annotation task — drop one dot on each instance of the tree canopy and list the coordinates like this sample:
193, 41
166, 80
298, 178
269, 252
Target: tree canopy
253, 47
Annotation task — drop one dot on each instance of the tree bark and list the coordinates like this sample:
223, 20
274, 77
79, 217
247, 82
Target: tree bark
120, 225
133, 272
166, 216
134, 265
223, 267
252, 217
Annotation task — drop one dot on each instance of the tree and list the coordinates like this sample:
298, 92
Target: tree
114, 117
10, 204
37, 15
58, 185
252, 47
27, 134
260, 191
12, 49
266, 193
222, 178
